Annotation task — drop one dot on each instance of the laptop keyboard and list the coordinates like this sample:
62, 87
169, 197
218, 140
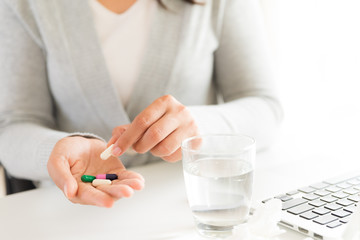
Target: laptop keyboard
329, 203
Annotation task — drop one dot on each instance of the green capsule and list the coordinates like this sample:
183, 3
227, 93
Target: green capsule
87, 178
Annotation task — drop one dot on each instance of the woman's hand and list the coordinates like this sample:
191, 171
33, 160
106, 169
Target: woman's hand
73, 157
160, 129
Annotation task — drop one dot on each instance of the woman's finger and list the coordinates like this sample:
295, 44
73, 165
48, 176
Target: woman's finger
141, 123
117, 191
90, 195
156, 133
172, 142
116, 133
176, 156
126, 174
134, 183
59, 171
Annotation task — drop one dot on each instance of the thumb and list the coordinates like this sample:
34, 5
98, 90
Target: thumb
59, 171
70, 188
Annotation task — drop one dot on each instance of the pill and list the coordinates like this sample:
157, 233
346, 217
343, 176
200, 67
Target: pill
107, 152
107, 176
98, 182
87, 178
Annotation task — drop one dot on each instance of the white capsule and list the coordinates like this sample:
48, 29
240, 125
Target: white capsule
98, 182
107, 152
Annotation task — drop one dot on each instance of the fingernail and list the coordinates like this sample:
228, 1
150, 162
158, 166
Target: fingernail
116, 151
65, 191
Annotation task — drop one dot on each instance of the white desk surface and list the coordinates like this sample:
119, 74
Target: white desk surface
160, 211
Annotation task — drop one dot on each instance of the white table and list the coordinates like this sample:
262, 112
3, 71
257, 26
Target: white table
160, 211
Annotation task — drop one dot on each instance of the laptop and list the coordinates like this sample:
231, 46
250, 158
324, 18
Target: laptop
321, 210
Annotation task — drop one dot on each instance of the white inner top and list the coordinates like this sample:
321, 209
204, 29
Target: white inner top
123, 40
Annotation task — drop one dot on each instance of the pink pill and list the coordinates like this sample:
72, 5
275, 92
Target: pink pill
101, 176
110, 176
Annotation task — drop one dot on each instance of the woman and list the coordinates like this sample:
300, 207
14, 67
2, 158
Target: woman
145, 73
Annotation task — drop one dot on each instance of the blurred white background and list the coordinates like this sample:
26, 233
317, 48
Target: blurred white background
316, 57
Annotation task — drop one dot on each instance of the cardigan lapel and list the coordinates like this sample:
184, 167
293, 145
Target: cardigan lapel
160, 56
81, 41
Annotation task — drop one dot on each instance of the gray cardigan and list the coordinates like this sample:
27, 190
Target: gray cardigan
54, 81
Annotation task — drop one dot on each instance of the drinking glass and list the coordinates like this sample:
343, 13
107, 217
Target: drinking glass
218, 173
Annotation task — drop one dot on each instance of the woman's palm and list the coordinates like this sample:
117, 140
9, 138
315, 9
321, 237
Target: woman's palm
73, 157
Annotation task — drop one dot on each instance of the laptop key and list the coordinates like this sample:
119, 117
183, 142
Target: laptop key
320, 185
307, 189
300, 209
345, 220
284, 197
333, 206
287, 198
325, 219
344, 185
333, 189
351, 191
292, 193
354, 181
317, 203
329, 199
345, 202
310, 197
309, 215
341, 213
354, 198
321, 211
266, 200
340, 195
350, 208
334, 224
322, 193
292, 203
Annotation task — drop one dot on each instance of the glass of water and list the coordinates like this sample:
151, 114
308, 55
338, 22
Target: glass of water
218, 172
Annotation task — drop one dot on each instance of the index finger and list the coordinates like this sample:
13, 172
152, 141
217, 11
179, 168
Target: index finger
89, 195
139, 126
116, 133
